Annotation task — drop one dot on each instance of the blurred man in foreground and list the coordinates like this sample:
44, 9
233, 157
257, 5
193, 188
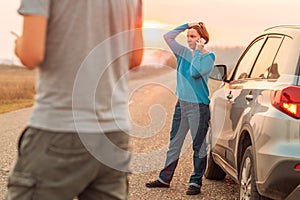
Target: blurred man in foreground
76, 140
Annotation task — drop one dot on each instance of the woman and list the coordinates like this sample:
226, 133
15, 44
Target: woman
194, 65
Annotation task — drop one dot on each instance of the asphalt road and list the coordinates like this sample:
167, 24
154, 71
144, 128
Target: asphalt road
151, 106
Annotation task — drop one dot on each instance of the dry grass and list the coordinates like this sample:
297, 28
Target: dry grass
17, 88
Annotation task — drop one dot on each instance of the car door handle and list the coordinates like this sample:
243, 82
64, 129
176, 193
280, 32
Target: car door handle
249, 97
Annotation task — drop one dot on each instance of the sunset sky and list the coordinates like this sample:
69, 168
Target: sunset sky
229, 22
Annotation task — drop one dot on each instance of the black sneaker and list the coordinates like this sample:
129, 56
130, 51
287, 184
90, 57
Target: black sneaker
193, 190
156, 184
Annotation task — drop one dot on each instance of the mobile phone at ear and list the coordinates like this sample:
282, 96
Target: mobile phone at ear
202, 41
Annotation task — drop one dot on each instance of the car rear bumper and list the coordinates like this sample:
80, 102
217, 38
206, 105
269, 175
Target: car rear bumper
282, 182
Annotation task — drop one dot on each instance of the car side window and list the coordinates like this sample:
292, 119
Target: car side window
286, 64
264, 64
246, 63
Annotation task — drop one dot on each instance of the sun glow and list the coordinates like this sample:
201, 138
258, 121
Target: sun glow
156, 24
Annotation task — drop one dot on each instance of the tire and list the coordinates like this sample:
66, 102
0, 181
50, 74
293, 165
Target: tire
213, 171
247, 185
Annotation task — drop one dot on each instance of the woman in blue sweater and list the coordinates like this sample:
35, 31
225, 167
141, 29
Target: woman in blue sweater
194, 65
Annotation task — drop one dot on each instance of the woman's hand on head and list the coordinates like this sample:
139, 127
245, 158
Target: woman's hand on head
193, 24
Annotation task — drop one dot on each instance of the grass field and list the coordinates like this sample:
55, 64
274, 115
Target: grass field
17, 88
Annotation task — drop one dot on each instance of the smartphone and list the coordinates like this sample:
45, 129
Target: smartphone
14, 33
202, 41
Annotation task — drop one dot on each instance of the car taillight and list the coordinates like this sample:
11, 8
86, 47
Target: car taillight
287, 100
297, 167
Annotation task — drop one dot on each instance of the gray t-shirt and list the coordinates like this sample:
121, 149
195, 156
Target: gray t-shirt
82, 83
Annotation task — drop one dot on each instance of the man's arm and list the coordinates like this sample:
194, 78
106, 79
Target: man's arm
30, 47
136, 55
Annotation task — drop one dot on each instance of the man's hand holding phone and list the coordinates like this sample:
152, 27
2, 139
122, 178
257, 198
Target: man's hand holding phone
17, 42
14, 34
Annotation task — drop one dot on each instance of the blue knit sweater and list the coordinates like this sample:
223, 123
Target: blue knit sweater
192, 72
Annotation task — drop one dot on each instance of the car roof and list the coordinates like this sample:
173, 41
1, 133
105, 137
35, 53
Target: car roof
286, 26
291, 30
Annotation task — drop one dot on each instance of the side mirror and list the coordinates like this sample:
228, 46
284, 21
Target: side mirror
219, 73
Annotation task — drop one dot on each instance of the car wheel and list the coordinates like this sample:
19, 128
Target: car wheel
247, 186
213, 171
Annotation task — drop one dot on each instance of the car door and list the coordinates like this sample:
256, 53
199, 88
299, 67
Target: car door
240, 94
229, 104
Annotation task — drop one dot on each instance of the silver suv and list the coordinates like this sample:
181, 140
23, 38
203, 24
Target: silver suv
255, 118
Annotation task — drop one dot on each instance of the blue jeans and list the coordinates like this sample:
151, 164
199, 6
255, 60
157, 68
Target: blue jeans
194, 117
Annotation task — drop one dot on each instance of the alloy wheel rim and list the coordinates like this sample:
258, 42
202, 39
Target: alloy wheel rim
246, 179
